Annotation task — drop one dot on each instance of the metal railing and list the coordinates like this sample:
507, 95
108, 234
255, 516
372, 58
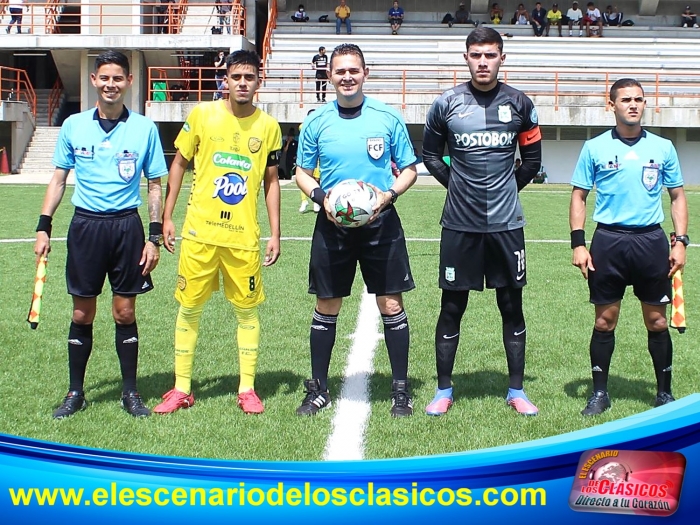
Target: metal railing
55, 99
271, 25
16, 86
564, 87
152, 17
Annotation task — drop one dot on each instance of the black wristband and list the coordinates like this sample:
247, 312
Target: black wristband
394, 195
44, 224
318, 196
578, 238
155, 228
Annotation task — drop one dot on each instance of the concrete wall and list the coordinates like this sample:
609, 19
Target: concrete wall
16, 130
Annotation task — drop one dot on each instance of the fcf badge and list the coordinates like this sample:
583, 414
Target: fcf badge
375, 147
504, 114
449, 274
254, 144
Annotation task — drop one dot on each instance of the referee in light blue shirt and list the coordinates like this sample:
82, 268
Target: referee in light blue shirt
629, 168
108, 148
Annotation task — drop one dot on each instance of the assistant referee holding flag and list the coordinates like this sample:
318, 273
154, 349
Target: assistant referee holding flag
629, 168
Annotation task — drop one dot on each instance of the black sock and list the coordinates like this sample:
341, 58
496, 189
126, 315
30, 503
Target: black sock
661, 350
321, 341
79, 350
452, 308
126, 339
510, 304
602, 348
397, 339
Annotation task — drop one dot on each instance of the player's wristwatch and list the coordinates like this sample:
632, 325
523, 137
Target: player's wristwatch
156, 239
683, 239
394, 195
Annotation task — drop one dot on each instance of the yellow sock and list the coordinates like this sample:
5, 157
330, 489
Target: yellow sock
303, 196
248, 341
186, 332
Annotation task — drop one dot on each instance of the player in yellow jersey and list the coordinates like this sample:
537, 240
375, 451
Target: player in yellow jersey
235, 147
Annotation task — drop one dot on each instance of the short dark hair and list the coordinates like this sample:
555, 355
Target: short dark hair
321, 48
243, 57
624, 83
112, 57
348, 49
485, 35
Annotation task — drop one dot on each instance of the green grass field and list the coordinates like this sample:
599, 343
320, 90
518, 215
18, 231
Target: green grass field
34, 372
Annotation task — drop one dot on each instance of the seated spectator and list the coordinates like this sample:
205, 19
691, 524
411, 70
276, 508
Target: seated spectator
593, 18
554, 18
461, 16
612, 17
342, 16
395, 17
300, 15
574, 16
689, 19
521, 16
538, 20
496, 14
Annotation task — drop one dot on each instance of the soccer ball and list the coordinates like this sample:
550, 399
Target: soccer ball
352, 202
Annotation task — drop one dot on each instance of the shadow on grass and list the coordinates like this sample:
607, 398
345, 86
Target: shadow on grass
619, 387
267, 384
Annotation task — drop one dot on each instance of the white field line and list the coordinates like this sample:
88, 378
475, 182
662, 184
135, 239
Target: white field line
347, 438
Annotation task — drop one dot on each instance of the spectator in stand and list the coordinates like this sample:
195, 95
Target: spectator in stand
689, 18
342, 16
521, 16
612, 17
496, 14
574, 16
320, 64
593, 18
16, 9
224, 9
554, 17
538, 20
300, 15
461, 16
395, 17
220, 75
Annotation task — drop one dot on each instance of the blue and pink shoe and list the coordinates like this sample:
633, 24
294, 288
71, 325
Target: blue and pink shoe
519, 401
441, 403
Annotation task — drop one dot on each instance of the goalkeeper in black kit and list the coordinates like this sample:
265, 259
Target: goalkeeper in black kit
482, 122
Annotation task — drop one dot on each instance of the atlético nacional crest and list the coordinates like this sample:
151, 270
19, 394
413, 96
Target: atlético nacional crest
504, 114
254, 144
375, 147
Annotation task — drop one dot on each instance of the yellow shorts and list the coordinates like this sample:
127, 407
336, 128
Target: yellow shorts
198, 274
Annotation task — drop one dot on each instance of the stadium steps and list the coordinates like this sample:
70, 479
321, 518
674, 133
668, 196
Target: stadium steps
39, 155
42, 107
199, 19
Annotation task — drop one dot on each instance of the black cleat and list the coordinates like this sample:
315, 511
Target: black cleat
133, 404
664, 398
315, 400
598, 403
401, 402
72, 403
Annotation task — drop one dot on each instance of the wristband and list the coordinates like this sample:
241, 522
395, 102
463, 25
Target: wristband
155, 228
318, 196
578, 238
44, 224
394, 195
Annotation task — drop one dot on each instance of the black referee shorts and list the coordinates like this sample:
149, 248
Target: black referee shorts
106, 244
622, 257
379, 247
467, 259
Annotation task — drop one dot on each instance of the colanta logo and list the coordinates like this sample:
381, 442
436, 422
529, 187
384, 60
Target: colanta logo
230, 188
232, 161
